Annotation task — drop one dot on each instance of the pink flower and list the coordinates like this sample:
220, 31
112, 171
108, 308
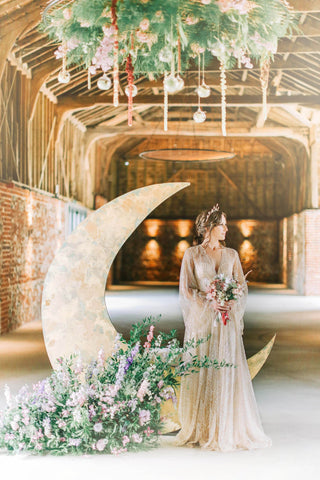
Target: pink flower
67, 13
117, 451
160, 384
101, 357
191, 20
101, 444
136, 438
143, 389
113, 390
62, 424
144, 24
125, 440
85, 24
144, 417
148, 431
150, 334
14, 426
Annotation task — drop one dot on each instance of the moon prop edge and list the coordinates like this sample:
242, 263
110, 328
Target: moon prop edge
74, 313
170, 413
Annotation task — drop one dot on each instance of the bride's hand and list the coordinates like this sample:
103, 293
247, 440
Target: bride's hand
223, 308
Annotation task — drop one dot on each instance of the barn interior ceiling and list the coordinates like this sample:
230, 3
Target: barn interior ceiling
293, 88
293, 98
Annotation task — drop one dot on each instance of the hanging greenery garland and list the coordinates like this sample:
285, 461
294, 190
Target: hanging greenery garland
165, 35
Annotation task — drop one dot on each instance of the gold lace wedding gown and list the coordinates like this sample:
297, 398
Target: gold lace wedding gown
217, 408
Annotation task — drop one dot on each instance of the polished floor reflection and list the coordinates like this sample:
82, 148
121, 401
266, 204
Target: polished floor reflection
287, 391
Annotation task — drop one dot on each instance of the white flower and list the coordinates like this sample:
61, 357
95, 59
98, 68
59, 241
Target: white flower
98, 427
14, 426
7, 395
77, 415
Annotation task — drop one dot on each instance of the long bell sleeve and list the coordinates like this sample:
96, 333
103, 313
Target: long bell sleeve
239, 306
193, 301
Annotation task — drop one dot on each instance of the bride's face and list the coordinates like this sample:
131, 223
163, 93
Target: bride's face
219, 231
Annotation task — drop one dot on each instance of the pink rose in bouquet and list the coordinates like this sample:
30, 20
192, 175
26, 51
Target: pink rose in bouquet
224, 289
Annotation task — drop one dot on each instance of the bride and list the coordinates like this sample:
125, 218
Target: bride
217, 408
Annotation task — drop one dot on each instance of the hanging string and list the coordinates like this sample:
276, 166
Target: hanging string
179, 54
165, 107
264, 80
172, 51
89, 80
199, 78
129, 70
115, 55
203, 68
64, 61
223, 85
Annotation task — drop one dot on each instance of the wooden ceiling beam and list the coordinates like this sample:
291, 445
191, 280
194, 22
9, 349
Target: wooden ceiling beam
305, 6
301, 45
78, 102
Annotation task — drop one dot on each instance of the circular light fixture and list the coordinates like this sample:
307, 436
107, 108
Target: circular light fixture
186, 155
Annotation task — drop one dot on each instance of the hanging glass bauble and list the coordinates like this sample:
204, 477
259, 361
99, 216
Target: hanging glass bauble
180, 83
134, 90
165, 54
199, 116
64, 77
104, 82
172, 84
203, 90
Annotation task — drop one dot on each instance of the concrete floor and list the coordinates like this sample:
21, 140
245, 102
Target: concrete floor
287, 392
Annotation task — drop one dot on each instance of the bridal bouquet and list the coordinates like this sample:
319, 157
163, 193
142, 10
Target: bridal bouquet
223, 289
112, 405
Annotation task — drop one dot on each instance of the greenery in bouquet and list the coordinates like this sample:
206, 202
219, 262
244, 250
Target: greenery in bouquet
111, 405
224, 289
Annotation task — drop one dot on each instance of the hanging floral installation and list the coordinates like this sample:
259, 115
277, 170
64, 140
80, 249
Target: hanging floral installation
156, 38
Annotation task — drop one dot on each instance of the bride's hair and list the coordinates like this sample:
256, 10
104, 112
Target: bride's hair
205, 222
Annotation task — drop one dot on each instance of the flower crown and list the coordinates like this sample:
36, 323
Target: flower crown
215, 208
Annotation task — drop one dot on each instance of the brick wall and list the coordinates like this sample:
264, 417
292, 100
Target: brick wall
32, 228
155, 250
312, 252
301, 251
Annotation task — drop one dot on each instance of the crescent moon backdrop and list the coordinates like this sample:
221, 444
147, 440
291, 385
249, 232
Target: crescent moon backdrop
74, 313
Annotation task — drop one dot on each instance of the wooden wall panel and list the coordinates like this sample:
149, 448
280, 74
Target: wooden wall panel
30, 153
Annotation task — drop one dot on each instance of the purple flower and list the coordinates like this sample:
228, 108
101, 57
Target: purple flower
130, 359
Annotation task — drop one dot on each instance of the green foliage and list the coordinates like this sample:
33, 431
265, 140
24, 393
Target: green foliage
232, 35
111, 405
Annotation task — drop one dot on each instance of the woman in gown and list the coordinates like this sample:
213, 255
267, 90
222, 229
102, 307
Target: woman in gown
217, 407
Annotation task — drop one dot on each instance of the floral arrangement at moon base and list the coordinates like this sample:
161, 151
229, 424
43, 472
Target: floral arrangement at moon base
112, 405
224, 289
